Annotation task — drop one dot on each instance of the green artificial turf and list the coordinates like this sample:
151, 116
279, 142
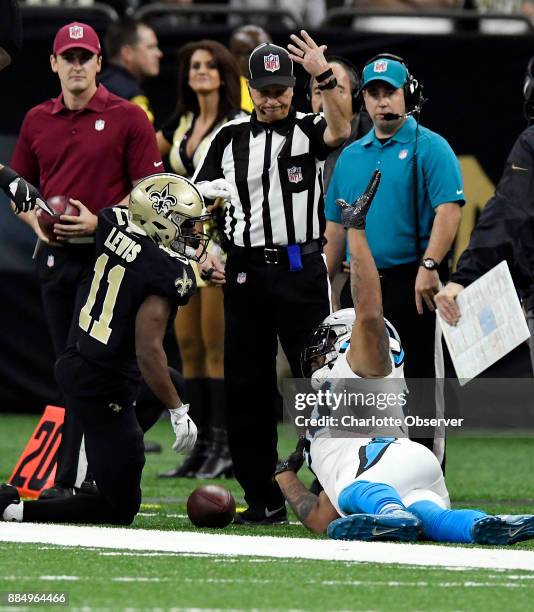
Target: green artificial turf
97, 579
489, 473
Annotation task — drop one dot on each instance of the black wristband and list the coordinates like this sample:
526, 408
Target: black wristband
332, 84
284, 466
324, 75
7, 176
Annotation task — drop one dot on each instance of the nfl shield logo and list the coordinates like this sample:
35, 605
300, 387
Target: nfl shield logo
50, 261
271, 62
100, 124
76, 32
294, 174
241, 278
403, 154
380, 66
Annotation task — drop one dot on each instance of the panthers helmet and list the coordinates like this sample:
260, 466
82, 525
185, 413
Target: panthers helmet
326, 341
169, 209
331, 338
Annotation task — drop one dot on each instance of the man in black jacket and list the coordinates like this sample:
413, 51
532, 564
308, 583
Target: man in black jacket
133, 54
505, 228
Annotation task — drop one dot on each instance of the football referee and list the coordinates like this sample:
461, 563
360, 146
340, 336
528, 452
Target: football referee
268, 167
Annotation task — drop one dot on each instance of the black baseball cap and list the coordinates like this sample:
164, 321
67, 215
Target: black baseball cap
270, 65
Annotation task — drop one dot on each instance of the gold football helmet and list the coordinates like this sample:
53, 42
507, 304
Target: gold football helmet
169, 209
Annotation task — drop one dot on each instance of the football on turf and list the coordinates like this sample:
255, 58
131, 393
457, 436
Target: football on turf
211, 506
61, 206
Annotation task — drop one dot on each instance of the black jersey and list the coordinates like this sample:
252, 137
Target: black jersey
129, 267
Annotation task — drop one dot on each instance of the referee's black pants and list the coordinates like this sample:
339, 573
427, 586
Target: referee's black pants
65, 273
417, 333
263, 301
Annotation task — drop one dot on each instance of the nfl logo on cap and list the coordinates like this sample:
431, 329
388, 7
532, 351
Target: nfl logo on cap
76, 32
380, 66
271, 62
74, 35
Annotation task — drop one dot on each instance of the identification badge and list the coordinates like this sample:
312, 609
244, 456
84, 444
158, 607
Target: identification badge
295, 257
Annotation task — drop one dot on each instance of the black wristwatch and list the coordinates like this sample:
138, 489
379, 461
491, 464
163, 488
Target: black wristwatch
429, 264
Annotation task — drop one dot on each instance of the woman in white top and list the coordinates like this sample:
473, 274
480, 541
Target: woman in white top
209, 95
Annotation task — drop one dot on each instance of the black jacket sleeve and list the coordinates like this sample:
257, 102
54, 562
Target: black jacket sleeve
505, 229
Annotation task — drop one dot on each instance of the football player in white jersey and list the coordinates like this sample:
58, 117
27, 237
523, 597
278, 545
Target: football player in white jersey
381, 488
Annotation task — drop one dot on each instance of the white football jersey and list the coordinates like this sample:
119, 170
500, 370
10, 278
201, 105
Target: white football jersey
341, 368
337, 380
338, 459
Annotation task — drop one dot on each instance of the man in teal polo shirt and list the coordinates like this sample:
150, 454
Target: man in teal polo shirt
415, 215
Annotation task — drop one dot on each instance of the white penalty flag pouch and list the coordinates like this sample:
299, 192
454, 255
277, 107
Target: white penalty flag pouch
492, 323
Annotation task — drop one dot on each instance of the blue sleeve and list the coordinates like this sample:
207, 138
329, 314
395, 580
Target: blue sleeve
442, 175
332, 210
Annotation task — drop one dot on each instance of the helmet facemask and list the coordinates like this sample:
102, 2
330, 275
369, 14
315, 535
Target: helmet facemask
190, 240
323, 348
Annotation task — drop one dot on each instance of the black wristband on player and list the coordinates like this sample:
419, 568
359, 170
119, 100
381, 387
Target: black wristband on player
324, 75
332, 84
7, 176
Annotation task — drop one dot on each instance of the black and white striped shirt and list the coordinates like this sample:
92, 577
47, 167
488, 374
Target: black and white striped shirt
276, 169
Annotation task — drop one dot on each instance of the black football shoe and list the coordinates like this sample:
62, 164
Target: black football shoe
8, 495
57, 492
262, 516
88, 487
503, 529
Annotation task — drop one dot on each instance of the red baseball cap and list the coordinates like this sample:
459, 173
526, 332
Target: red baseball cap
76, 36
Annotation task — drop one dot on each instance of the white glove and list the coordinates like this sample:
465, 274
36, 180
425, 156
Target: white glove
219, 188
184, 429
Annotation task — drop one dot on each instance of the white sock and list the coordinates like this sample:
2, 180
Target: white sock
393, 507
13, 512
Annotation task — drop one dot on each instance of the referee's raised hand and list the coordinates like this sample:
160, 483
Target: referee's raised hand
308, 54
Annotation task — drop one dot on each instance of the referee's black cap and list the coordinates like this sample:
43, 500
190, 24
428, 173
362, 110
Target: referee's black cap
270, 65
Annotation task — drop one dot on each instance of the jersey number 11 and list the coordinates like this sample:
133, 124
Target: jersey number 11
100, 329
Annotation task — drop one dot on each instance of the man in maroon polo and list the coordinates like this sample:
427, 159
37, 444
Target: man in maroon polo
91, 146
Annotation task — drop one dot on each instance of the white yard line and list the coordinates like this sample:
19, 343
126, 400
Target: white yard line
247, 581
266, 546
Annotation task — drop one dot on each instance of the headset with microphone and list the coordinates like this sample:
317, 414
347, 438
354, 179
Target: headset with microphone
354, 79
414, 100
413, 90
395, 116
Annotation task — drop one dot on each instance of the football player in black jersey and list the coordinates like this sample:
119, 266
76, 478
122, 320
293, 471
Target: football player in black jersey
142, 274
